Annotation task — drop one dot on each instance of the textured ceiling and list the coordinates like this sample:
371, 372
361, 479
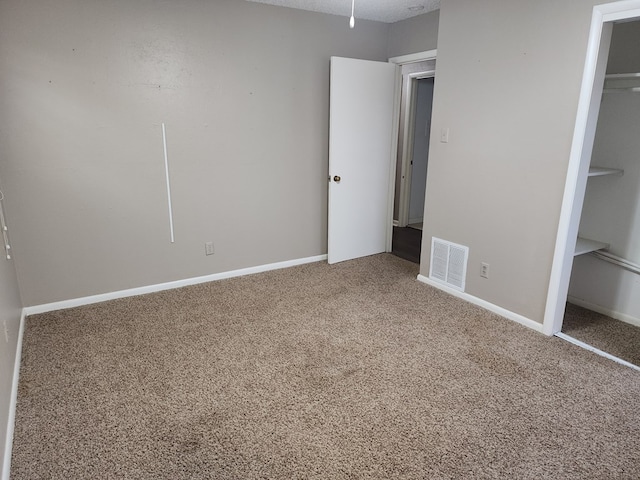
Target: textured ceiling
388, 11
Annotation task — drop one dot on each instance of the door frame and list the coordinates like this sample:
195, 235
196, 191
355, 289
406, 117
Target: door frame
407, 151
401, 60
593, 75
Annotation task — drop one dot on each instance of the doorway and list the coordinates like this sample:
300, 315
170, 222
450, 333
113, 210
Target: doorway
603, 308
419, 155
414, 131
364, 227
573, 224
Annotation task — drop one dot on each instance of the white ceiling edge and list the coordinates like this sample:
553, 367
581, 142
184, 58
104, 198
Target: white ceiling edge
387, 11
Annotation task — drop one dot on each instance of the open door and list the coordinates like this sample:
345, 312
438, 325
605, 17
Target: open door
360, 153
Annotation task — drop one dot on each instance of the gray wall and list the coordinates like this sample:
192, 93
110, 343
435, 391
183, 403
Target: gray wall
507, 87
625, 45
10, 311
243, 89
415, 34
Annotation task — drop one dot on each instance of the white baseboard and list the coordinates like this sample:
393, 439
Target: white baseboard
415, 220
11, 421
396, 223
77, 302
604, 311
527, 322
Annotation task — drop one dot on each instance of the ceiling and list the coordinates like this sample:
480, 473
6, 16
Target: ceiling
388, 11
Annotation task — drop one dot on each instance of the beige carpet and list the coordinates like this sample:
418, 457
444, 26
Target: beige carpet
605, 333
349, 371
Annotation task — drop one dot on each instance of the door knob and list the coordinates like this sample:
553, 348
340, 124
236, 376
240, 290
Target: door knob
336, 178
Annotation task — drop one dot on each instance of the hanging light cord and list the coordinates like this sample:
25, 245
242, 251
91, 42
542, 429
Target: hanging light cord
352, 20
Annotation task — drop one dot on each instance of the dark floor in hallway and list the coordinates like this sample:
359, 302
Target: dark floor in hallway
406, 243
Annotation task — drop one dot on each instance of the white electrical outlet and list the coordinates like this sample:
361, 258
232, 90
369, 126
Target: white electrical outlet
484, 270
208, 248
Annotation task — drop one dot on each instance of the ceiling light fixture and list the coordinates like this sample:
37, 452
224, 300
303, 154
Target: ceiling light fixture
352, 20
416, 8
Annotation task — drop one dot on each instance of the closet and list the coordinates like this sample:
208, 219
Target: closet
606, 269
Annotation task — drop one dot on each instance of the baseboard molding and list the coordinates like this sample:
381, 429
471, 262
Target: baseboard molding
11, 421
527, 322
415, 220
396, 223
132, 292
623, 317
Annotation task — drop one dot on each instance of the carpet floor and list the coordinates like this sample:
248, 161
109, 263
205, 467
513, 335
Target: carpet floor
605, 333
349, 371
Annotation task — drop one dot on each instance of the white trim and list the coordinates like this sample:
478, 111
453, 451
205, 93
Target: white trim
527, 322
580, 156
573, 196
422, 75
166, 172
77, 302
8, 446
414, 57
395, 223
623, 317
623, 10
595, 350
393, 154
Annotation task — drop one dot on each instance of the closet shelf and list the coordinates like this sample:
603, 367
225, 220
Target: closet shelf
600, 171
584, 245
622, 82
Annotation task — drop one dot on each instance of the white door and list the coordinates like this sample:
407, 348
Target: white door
360, 152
